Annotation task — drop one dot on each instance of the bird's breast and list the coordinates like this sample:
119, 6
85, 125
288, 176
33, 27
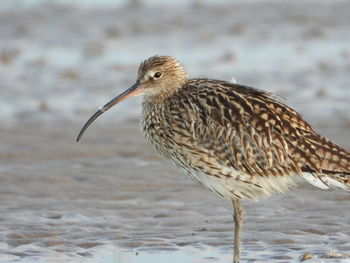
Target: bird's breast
156, 130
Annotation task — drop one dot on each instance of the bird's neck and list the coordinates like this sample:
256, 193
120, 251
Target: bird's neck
154, 105
159, 97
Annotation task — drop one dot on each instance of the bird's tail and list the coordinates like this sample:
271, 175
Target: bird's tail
332, 180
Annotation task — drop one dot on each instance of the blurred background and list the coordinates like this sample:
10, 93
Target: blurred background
110, 198
60, 59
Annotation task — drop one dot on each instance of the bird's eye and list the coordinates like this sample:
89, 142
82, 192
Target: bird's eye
157, 75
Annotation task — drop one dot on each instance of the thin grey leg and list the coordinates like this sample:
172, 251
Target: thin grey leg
238, 219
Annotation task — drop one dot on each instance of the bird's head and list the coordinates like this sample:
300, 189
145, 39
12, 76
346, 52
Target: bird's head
158, 77
161, 75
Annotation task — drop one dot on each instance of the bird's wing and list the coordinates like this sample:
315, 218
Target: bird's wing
253, 132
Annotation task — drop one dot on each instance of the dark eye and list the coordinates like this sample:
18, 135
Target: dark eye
157, 75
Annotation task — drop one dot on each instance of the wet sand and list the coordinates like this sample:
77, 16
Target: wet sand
110, 198
62, 200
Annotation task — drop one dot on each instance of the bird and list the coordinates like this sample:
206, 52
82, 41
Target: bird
240, 142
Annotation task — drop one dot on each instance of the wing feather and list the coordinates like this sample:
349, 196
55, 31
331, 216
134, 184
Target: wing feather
261, 133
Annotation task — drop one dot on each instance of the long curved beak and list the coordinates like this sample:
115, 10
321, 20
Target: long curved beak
134, 90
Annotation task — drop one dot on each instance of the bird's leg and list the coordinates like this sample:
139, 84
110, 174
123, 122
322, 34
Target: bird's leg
238, 218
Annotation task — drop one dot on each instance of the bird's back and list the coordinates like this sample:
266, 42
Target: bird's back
242, 142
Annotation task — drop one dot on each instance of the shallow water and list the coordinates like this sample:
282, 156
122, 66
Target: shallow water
110, 198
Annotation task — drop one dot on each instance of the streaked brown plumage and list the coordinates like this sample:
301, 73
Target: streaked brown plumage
240, 142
